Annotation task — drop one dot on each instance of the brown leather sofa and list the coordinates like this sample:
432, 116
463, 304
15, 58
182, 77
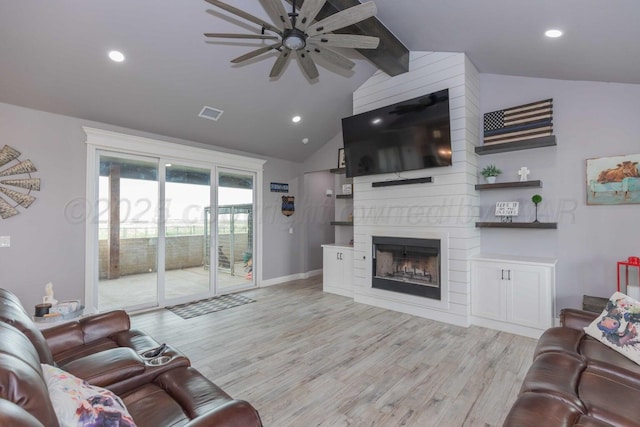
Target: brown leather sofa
577, 381
104, 351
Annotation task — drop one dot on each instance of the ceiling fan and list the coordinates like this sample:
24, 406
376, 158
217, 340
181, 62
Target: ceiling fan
296, 33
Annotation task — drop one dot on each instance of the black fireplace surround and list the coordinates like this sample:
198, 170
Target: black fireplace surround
407, 265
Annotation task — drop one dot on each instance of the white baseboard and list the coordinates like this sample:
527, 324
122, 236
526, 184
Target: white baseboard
289, 278
507, 327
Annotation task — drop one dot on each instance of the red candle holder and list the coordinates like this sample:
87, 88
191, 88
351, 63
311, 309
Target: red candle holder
629, 277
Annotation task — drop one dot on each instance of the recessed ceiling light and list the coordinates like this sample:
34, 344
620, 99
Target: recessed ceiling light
116, 56
553, 33
376, 121
305, 140
168, 165
296, 119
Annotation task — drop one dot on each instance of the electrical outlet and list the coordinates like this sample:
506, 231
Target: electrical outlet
5, 241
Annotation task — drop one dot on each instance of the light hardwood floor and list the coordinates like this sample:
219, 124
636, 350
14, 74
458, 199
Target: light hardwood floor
306, 358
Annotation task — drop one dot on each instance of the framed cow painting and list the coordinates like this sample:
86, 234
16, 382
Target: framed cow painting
613, 180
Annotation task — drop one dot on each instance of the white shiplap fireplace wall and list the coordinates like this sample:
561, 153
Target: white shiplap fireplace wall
445, 209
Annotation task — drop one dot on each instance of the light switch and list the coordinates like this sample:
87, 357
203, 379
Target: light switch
5, 241
290, 230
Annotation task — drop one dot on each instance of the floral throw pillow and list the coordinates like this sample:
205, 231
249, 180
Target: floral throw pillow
618, 326
78, 404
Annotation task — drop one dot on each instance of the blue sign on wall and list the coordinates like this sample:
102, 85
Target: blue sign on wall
278, 187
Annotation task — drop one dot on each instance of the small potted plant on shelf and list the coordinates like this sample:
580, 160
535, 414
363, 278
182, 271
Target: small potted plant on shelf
490, 172
536, 199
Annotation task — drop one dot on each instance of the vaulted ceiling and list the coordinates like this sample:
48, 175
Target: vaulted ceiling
54, 58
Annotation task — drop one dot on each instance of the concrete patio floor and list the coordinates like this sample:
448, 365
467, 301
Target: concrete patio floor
141, 289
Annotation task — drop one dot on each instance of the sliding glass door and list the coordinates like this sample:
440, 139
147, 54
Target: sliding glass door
235, 231
187, 200
157, 226
128, 194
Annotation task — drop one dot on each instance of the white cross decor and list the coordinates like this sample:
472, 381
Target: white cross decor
523, 172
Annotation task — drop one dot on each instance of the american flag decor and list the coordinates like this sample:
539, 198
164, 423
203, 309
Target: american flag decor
523, 122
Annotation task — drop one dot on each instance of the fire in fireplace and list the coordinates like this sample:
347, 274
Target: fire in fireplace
407, 265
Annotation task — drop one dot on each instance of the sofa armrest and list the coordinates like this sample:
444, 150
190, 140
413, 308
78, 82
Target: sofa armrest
576, 319
235, 413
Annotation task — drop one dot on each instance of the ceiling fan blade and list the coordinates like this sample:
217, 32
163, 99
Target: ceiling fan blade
332, 57
307, 14
277, 8
244, 15
256, 52
241, 36
343, 19
308, 66
345, 40
280, 63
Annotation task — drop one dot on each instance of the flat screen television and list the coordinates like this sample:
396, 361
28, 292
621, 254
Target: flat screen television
409, 135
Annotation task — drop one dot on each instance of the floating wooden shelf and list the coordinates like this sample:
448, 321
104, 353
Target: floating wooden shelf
344, 196
514, 184
338, 170
524, 144
533, 225
342, 223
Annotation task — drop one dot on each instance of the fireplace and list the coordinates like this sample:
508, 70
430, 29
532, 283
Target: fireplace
407, 265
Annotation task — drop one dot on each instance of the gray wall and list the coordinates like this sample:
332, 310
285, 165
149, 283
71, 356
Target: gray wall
48, 239
326, 157
283, 253
316, 175
590, 120
318, 213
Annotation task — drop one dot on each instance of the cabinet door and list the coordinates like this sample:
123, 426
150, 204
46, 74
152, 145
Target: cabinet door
332, 267
487, 291
529, 296
347, 269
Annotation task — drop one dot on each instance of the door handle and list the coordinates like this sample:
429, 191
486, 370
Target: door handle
508, 274
502, 274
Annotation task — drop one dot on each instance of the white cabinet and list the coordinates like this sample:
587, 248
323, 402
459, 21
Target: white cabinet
513, 294
337, 269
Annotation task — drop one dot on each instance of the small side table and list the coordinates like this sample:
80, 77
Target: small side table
594, 304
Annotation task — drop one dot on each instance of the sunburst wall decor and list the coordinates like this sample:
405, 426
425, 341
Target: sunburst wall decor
16, 182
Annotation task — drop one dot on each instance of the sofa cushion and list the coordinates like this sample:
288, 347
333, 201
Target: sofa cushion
13, 313
184, 394
77, 403
617, 326
107, 367
21, 380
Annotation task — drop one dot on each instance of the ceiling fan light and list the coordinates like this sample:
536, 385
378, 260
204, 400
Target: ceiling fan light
294, 42
294, 39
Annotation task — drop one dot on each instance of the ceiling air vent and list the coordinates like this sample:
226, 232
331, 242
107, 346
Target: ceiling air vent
210, 113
